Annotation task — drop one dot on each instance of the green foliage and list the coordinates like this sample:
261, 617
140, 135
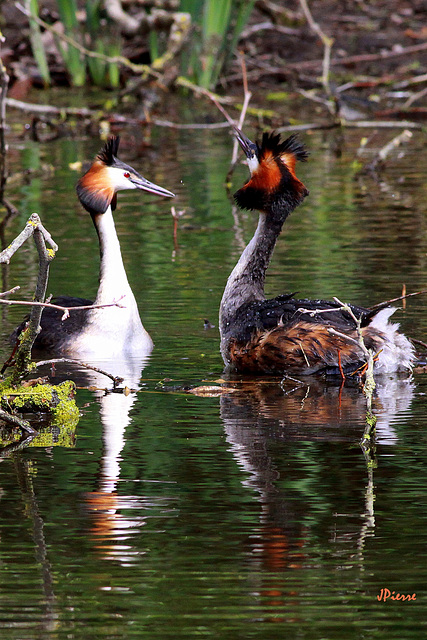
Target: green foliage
218, 25
96, 34
217, 28
103, 73
37, 44
72, 57
56, 400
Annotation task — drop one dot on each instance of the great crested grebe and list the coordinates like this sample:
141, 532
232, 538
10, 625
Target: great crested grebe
274, 336
109, 331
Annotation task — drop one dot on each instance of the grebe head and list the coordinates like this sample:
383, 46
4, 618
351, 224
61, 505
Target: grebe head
98, 187
273, 186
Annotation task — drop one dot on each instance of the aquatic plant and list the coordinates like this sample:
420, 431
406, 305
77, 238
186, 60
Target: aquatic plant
218, 25
37, 43
73, 59
96, 32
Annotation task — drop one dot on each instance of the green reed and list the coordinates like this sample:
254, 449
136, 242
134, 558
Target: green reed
96, 34
36, 42
102, 72
218, 25
72, 57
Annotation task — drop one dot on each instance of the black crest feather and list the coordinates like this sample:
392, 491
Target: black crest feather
109, 151
274, 189
272, 142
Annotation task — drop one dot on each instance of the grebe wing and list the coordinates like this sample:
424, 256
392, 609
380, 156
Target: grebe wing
276, 335
303, 347
285, 310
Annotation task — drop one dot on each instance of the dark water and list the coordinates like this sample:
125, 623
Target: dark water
252, 515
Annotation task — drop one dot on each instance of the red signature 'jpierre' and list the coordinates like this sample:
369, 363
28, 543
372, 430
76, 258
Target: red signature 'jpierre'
386, 594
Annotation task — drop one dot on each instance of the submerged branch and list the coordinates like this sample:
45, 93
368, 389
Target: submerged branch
385, 151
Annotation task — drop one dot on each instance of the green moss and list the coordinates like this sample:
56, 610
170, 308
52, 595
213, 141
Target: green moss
278, 96
23, 362
5, 384
58, 400
50, 436
66, 413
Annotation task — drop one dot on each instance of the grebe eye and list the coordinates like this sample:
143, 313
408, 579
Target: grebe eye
126, 174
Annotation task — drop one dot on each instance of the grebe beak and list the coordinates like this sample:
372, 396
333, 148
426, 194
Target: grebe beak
141, 183
247, 145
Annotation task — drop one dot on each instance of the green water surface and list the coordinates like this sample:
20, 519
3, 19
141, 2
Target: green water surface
254, 514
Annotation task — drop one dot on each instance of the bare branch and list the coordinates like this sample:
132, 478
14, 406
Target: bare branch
127, 23
369, 384
382, 124
116, 379
361, 124
26, 233
268, 26
402, 297
364, 57
7, 293
344, 336
327, 43
407, 83
65, 310
415, 97
179, 125
185, 82
405, 136
31, 107
247, 95
4, 82
316, 312
385, 151
41, 235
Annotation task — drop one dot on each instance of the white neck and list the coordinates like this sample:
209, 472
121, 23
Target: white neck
112, 331
113, 282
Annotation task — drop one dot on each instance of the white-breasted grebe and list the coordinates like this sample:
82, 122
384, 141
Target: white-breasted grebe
109, 331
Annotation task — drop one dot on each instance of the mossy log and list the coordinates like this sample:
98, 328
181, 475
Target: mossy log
41, 397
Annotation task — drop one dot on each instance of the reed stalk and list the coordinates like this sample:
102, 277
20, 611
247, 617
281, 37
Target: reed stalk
218, 25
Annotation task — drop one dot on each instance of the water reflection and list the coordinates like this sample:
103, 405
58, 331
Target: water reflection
109, 528
283, 437
49, 617
276, 517
314, 409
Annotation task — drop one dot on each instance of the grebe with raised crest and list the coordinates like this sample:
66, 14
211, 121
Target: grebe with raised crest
284, 335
